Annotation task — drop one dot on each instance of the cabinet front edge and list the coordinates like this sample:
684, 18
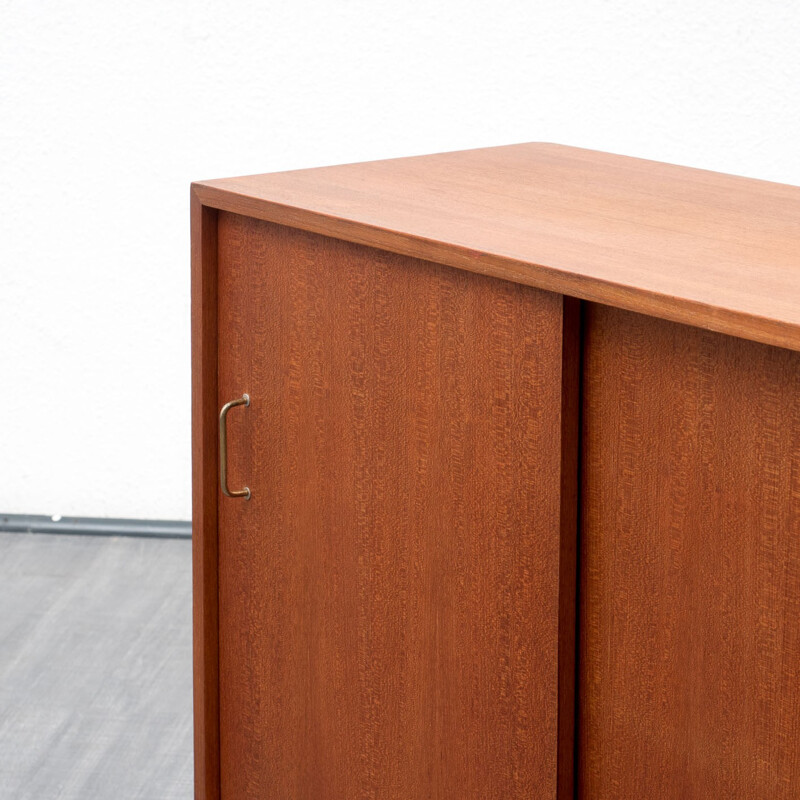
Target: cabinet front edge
772, 331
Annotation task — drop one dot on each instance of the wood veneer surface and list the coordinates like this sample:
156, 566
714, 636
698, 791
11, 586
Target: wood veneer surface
205, 620
396, 600
690, 564
716, 251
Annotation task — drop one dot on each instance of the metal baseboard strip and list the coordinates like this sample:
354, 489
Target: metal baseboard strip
95, 526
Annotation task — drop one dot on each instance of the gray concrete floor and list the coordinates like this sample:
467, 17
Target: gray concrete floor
95, 668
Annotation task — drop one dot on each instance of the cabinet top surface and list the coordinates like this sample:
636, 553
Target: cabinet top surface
716, 251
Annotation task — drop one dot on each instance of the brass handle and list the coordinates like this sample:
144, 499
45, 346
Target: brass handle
244, 400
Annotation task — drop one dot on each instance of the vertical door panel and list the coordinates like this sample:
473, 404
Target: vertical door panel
690, 564
396, 599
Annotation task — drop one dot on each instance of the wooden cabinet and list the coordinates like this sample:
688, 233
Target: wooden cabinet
690, 563
522, 450
389, 596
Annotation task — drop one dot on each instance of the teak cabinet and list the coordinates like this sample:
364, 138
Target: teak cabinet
521, 449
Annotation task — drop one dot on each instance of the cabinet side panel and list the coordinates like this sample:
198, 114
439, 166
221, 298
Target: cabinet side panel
391, 596
204, 500
689, 680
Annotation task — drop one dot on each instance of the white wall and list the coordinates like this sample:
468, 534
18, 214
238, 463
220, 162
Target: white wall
108, 110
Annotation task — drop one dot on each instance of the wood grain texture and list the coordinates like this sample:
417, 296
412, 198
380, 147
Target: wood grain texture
690, 564
395, 597
716, 251
205, 622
